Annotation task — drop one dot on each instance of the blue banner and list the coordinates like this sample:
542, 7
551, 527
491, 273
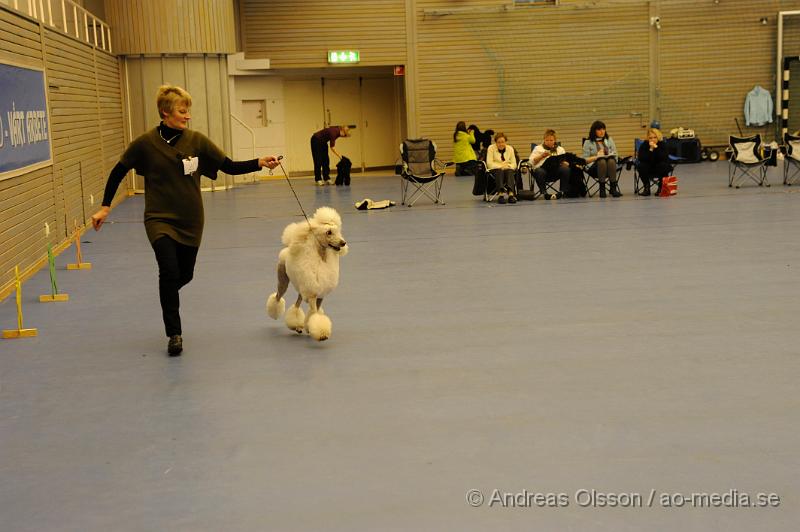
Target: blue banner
24, 124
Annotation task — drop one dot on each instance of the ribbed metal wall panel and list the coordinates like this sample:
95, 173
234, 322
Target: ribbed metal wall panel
532, 68
298, 33
171, 26
791, 33
712, 55
86, 134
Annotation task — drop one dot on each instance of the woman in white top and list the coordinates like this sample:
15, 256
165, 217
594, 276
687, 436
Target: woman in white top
548, 148
501, 161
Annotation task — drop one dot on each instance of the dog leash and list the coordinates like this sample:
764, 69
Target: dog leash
280, 157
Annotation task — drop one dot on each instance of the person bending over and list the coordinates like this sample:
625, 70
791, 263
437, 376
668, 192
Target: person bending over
463, 154
319, 151
172, 158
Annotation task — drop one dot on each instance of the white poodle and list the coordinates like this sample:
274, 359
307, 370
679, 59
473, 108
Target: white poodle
310, 261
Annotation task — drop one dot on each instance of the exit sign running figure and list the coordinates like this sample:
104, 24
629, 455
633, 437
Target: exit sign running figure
343, 56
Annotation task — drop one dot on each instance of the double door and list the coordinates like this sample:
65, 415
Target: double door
371, 104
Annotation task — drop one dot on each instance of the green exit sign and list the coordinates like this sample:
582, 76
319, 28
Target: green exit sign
343, 56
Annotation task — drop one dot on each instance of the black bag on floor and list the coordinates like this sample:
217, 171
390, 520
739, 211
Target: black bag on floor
575, 187
484, 181
343, 172
526, 195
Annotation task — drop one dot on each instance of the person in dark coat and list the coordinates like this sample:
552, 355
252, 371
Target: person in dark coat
653, 159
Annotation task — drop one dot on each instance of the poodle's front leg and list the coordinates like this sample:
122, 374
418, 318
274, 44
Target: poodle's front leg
295, 318
318, 324
275, 303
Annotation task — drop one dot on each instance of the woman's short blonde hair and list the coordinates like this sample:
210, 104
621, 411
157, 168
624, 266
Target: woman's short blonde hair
345, 131
169, 96
656, 132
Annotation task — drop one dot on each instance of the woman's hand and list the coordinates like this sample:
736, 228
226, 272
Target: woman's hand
270, 161
99, 218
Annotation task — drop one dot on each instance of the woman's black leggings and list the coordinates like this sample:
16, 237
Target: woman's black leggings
175, 270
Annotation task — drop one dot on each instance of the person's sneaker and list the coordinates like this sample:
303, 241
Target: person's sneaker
512, 199
175, 345
319, 183
501, 199
327, 182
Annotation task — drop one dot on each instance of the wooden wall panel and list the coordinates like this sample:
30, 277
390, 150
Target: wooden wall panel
171, 26
86, 134
298, 33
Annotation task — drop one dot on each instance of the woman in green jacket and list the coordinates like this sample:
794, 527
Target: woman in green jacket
463, 154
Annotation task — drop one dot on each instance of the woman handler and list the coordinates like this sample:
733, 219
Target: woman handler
172, 158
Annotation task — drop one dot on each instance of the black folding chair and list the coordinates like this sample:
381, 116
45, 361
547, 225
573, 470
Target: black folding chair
746, 161
421, 171
791, 160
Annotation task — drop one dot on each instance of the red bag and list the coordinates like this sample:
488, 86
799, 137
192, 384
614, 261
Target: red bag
669, 186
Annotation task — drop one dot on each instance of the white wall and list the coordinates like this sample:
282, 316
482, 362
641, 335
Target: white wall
269, 140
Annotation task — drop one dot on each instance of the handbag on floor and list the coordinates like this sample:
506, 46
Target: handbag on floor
669, 186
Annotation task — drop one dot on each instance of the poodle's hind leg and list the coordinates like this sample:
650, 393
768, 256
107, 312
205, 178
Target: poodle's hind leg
318, 324
295, 318
275, 303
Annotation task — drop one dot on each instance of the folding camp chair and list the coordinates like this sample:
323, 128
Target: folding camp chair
638, 183
746, 161
791, 162
421, 169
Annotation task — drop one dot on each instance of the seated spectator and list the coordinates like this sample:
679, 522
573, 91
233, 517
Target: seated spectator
501, 161
600, 152
653, 159
463, 154
544, 174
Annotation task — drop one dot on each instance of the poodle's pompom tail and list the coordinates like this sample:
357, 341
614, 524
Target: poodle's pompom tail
319, 326
327, 216
295, 318
275, 306
292, 232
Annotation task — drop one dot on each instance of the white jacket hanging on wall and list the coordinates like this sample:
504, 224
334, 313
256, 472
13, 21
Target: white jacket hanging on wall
758, 107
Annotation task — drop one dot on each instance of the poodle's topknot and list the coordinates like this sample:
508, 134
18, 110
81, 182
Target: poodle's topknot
327, 216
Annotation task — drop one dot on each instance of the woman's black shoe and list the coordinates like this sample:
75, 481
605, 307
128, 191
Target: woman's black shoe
175, 345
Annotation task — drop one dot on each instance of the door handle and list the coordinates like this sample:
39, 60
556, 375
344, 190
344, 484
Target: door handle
329, 117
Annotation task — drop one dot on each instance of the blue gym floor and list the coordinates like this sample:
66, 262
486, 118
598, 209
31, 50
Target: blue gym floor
620, 345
